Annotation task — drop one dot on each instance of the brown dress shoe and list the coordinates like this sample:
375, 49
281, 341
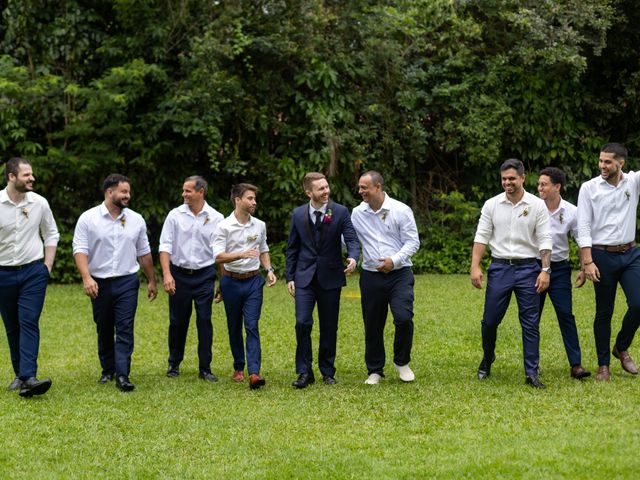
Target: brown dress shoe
603, 373
238, 376
577, 371
255, 381
625, 360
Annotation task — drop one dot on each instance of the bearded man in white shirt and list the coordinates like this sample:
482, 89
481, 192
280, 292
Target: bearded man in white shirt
28, 233
189, 273
109, 244
607, 211
515, 225
388, 234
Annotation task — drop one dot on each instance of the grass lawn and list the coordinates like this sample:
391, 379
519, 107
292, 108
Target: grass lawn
444, 425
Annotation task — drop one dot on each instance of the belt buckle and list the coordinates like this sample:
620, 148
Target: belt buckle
512, 262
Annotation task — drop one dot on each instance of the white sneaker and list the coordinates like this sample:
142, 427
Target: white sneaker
406, 374
373, 379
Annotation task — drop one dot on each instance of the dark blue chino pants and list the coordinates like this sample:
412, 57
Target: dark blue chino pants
114, 311
379, 292
502, 281
196, 289
559, 292
242, 304
328, 302
21, 300
622, 268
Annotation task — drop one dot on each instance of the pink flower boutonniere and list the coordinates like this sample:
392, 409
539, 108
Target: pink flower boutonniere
328, 217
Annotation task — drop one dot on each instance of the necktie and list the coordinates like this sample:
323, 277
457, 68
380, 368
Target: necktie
318, 224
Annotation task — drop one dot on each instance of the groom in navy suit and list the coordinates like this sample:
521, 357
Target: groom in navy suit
315, 274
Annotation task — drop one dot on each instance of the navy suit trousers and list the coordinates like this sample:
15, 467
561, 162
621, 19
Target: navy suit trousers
502, 281
623, 268
328, 302
114, 311
559, 292
196, 289
21, 300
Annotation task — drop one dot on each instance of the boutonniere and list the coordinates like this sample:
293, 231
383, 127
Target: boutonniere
328, 217
524, 212
383, 216
123, 221
206, 220
252, 238
25, 212
627, 194
561, 219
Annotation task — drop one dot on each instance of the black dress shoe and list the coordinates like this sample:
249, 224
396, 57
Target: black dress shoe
105, 378
578, 372
15, 385
208, 376
173, 371
484, 369
329, 380
123, 383
32, 386
304, 380
534, 381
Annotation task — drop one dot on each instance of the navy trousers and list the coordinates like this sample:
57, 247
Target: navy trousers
196, 289
559, 292
21, 300
379, 292
243, 303
114, 311
328, 302
622, 268
502, 281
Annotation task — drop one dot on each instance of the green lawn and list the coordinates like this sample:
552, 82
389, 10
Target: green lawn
444, 425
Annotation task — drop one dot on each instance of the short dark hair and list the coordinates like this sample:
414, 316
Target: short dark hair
199, 182
619, 151
13, 166
238, 191
556, 175
309, 178
376, 177
514, 163
113, 180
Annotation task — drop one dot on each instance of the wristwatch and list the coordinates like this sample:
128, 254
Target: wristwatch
547, 270
270, 269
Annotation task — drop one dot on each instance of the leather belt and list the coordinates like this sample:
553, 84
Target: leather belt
615, 248
18, 267
240, 276
513, 261
187, 271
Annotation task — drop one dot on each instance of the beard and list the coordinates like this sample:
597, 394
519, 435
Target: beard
120, 203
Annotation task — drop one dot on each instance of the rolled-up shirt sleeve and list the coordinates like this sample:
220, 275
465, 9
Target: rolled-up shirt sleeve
543, 230
219, 244
142, 243
81, 237
485, 224
166, 236
48, 227
585, 216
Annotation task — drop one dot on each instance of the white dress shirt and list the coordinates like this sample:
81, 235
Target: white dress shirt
390, 232
112, 245
312, 212
234, 237
607, 213
563, 221
25, 229
514, 231
187, 238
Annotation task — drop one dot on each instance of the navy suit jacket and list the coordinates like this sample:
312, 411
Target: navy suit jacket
304, 258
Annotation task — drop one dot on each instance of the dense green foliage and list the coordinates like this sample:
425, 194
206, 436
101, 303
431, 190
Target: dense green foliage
445, 425
433, 93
